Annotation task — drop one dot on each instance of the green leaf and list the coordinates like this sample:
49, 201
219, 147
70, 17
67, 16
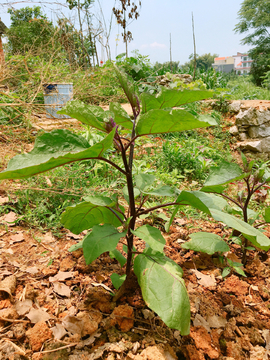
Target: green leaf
239, 271
92, 212
115, 254
169, 98
101, 239
126, 195
77, 246
266, 215
121, 117
161, 122
207, 243
54, 149
253, 235
152, 236
128, 88
117, 280
84, 113
223, 174
163, 290
191, 198
144, 180
162, 191
226, 271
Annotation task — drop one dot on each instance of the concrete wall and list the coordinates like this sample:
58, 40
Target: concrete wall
226, 68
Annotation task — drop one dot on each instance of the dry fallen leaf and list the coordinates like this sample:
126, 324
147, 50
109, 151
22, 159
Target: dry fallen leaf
216, 321
32, 270
9, 218
22, 307
58, 331
37, 315
17, 237
61, 276
48, 181
73, 325
200, 321
204, 280
4, 200
61, 289
8, 285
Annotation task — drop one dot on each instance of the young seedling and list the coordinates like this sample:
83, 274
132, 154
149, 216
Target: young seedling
250, 181
159, 277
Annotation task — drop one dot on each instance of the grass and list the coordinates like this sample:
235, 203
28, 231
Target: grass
242, 88
182, 160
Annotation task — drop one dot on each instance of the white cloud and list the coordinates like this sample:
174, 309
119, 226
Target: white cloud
156, 45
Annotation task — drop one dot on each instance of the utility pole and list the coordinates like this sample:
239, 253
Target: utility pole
194, 43
171, 51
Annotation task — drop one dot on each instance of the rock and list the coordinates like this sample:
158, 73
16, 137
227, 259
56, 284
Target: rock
67, 263
259, 131
90, 322
252, 145
38, 334
233, 130
265, 143
123, 316
247, 117
191, 353
235, 286
243, 136
258, 353
235, 107
203, 342
263, 116
157, 352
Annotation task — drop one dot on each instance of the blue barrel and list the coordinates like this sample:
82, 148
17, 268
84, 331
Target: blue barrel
55, 97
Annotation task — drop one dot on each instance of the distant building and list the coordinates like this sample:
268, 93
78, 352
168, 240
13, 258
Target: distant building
240, 64
2, 31
224, 64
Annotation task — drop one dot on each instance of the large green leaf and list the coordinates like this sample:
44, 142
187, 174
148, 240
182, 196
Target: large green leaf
267, 215
164, 190
169, 98
85, 215
199, 200
191, 198
163, 290
152, 236
54, 149
223, 174
82, 112
256, 237
162, 121
143, 181
101, 239
121, 116
206, 242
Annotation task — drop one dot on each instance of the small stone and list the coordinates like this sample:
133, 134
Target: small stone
235, 107
67, 264
233, 130
123, 316
247, 117
243, 136
38, 334
252, 145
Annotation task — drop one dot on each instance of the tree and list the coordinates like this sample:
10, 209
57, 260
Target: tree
204, 61
86, 44
29, 29
124, 15
255, 20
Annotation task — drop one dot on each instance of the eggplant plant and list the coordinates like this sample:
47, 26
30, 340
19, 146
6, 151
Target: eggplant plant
109, 221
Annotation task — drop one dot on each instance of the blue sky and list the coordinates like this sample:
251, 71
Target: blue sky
214, 23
